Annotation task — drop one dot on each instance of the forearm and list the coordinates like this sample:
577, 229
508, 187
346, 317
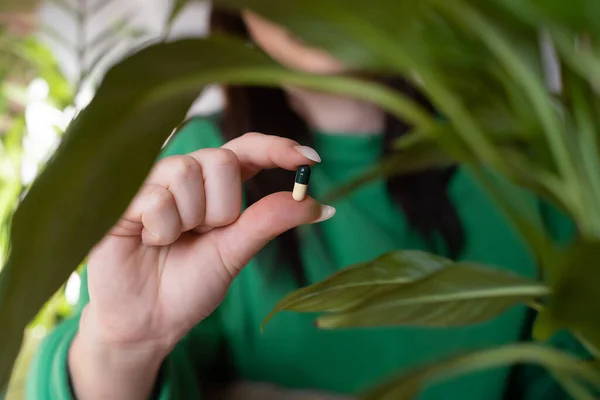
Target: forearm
102, 371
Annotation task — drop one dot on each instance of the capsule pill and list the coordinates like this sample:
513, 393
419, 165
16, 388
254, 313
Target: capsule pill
301, 182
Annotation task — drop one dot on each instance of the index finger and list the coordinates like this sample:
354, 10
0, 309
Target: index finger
257, 151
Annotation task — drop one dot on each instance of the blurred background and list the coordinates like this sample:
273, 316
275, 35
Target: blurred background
52, 57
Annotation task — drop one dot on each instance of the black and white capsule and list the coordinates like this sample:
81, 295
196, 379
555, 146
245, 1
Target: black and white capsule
301, 182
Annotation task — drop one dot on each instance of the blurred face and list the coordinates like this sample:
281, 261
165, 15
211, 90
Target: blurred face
289, 51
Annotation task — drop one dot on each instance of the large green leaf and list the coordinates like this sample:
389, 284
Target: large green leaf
352, 285
412, 288
109, 149
575, 299
561, 364
461, 294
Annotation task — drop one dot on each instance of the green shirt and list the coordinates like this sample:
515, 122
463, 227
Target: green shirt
292, 352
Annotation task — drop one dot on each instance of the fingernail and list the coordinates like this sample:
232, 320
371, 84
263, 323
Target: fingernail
326, 213
309, 153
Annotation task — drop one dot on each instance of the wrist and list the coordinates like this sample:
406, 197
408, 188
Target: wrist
114, 357
104, 332
100, 369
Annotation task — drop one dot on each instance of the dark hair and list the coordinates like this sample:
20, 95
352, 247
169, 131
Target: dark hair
422, 195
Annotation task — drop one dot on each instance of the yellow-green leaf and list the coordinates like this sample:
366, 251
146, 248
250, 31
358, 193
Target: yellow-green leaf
460, 294
350, 286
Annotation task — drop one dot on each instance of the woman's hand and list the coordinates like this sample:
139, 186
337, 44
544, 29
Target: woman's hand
168, 263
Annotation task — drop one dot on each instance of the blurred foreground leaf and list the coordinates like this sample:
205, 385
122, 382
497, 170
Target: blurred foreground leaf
408, 386
350, 286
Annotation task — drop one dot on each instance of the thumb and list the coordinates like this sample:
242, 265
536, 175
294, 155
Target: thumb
262, 222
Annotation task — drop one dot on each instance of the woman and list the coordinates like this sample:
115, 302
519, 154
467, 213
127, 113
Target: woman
178, 289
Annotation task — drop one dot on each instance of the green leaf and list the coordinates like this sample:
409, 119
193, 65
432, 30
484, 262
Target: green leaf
543, 328
349, 287
575, 299
109, 149
460, 294
528, 78
411, 288
408, 386
384, 35
417, 157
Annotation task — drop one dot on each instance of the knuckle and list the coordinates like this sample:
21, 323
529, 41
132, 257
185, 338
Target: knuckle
224, 157
160, 237
184, 166
253, 135
159, 197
